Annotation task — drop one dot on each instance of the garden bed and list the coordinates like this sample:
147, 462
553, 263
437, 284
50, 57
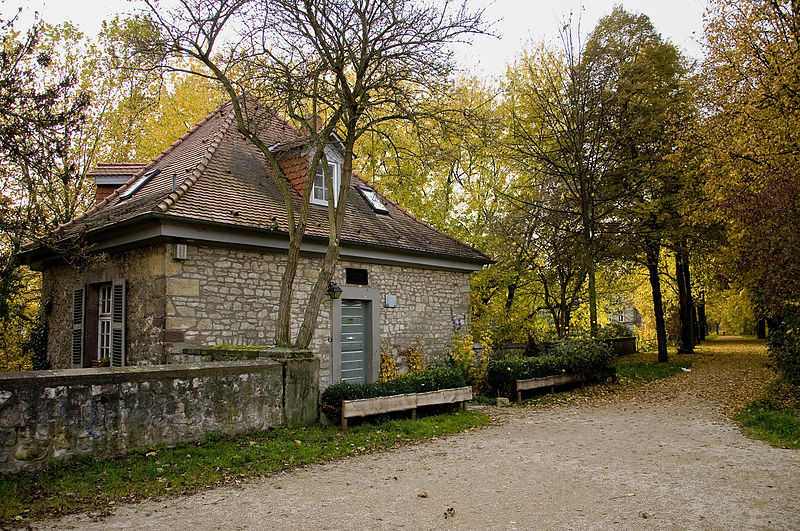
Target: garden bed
547, 381
570, 360
555, 380
365, 407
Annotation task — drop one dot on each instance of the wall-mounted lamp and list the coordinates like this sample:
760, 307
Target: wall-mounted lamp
334, 291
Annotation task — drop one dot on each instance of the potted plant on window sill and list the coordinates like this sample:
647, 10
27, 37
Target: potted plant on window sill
102, 362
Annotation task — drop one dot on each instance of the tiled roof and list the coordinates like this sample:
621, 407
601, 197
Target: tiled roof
212, 173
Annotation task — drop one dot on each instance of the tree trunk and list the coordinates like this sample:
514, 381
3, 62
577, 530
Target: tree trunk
335, 221
687, 278
592, 300
761, 329
652, 251
283, 323
512, 289
684, 298
702, 321
318, 293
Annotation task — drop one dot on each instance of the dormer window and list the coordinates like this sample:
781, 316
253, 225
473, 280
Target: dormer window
319, 194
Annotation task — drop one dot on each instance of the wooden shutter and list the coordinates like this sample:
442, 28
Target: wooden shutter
118, 318
78, 320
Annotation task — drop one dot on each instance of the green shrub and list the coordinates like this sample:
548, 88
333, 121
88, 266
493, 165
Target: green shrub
784, 348
583, 355
37, 343
431, 379
502, 374
570, 356
612, 330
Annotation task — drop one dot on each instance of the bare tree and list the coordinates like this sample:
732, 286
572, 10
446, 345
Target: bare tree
559, 123
353, 64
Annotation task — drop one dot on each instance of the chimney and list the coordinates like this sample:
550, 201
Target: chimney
110, 176
104, 188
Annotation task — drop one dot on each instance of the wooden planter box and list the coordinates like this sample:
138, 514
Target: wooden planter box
547, 381
386, 404
559, 379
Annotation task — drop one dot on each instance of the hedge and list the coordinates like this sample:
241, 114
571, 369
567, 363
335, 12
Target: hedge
431, 379
784, 348
568, 356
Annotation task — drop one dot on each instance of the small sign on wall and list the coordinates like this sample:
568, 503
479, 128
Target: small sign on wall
391, 300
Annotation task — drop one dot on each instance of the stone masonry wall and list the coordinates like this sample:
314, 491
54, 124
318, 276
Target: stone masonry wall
47, 415
427, 301
144, 270
229, 296
222, 295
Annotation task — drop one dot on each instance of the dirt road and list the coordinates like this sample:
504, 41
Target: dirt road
658, 456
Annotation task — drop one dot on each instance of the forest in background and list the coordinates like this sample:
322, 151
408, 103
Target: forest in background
604, 172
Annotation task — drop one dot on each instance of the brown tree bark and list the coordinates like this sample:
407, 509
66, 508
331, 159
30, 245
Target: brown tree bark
684, 302
652, 251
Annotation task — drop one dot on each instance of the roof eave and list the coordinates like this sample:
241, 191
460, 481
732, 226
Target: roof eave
153, 227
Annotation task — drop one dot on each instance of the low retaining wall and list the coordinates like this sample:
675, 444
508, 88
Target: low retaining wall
47, 415
300, 375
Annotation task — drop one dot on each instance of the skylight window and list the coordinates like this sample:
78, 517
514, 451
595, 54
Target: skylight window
373, 200
132, 189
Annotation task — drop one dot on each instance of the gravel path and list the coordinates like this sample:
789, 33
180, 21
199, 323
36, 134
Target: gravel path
658, 456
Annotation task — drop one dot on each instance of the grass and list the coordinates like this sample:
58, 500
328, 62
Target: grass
648, 372
775, 418
775, 426
88, 485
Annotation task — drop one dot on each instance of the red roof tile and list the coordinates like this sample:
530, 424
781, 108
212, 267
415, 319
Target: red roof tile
212, 173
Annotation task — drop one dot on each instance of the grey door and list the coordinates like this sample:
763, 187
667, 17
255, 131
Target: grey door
354, 341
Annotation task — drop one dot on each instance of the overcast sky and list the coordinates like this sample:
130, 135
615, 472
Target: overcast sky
518, 22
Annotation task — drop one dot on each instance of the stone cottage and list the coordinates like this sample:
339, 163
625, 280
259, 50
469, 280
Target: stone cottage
188, 250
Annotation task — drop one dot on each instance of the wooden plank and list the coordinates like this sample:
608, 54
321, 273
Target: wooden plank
444, 396
375, 406
548, 381
386, 404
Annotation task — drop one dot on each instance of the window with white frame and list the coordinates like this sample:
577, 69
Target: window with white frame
319, 194
104, 322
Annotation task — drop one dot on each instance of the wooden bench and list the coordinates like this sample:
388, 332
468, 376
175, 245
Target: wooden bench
386, 404
559, 379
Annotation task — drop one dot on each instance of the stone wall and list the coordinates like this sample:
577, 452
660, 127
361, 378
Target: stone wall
229, 296
144, 269
427, 301
47, 415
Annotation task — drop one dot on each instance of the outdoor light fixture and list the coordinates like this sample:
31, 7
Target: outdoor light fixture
334, 291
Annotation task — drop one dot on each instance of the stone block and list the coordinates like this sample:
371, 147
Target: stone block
5, 396
180, 323
8, 437
186, 287
51, 393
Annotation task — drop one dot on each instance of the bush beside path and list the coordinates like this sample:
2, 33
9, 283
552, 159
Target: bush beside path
660, 455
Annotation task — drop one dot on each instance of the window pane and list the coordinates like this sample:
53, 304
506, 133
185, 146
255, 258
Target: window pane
320, 192
105, 300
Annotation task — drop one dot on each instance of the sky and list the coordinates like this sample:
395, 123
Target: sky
517, 22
